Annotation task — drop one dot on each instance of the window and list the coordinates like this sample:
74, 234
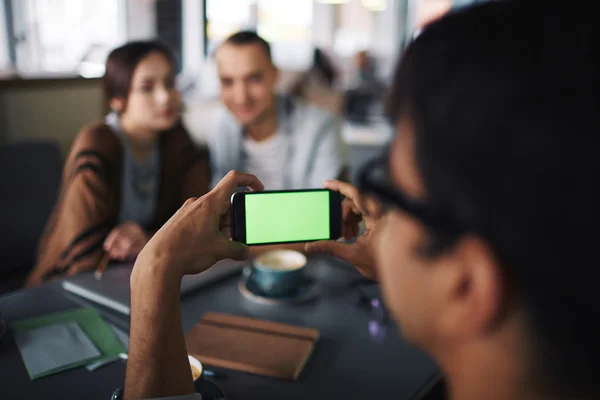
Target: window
426, 11
66, 36
430, 10
226, 17
4, 54
287, 25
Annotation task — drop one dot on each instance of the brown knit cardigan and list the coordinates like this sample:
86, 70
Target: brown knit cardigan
90, 195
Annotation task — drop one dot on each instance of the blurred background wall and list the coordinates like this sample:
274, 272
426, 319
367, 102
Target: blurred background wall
52, 52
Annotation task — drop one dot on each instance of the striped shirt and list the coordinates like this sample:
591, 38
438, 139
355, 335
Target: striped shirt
266, 160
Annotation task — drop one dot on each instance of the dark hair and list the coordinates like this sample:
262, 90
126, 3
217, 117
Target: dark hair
243, 38
503, 99
122, 62
324, 65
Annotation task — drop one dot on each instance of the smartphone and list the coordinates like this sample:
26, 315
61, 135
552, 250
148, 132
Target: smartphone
290, 216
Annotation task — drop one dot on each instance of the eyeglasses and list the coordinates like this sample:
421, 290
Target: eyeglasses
375, 180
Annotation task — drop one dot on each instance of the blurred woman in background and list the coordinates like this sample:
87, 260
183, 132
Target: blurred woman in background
319, 85
125, 176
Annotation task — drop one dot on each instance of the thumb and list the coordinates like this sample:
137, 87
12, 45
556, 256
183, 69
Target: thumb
331, 248
235, 250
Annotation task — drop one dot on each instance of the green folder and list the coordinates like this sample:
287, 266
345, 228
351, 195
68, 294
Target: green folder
92, 324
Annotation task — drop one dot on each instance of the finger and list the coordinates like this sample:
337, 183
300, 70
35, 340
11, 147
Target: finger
355, 230
229, 184
125, 241
350, 212
332, 248
122, 245
110, 239
348, 190
225, 217
126, 249
128, 224
345, 231
116, 254
131, 229
372, 206
118, 251
81, 267
120, 235
233, 250
351, 219
350, 231
226, 231
137, 234
136, 231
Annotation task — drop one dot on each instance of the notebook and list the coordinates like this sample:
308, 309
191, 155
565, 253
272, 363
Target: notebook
113, 289
90, 322
52, 348
251, 345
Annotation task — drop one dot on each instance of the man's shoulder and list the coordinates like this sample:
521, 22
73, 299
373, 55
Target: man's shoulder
225, 118
303, 109
309, 120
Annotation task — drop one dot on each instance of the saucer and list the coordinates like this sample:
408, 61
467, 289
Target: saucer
308, 290
209, 390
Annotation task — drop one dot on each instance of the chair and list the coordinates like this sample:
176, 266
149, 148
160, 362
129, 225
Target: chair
362, 104
30, 173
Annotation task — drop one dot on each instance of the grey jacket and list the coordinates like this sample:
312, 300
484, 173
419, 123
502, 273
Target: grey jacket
315, 150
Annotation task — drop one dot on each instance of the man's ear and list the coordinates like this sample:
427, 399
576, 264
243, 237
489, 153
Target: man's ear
117, 104
276, 75
475, 289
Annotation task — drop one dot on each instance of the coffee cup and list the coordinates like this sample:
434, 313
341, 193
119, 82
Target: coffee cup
278, 272
196, 366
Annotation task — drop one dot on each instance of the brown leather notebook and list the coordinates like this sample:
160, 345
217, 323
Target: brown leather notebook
251, 345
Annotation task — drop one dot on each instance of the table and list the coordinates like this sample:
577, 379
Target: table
348, 362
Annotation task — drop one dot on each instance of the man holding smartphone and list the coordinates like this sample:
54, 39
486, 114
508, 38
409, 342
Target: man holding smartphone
481, 231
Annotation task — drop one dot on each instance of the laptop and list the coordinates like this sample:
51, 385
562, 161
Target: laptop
113, 289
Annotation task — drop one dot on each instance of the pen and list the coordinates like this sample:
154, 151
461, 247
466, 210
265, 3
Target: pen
102, 265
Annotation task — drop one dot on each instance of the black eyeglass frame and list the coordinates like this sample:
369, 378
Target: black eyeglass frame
387, 194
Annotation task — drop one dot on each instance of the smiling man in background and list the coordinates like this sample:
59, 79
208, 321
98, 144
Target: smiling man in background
289, 144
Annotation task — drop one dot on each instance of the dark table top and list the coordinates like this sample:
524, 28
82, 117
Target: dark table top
352, 360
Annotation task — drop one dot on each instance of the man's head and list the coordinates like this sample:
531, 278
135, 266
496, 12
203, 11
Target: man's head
497, 117
247, 76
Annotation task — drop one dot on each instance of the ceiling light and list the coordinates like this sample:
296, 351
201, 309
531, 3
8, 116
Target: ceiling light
332, 1
375, 5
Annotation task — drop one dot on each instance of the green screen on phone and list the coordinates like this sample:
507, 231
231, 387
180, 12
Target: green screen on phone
287, 217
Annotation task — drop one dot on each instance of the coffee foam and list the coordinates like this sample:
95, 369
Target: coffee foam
196, 372
196, 367
276, 262
282, 260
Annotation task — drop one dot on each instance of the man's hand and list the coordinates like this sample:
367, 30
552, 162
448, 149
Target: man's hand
198, 235
195, 238
354, 210
126, 241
